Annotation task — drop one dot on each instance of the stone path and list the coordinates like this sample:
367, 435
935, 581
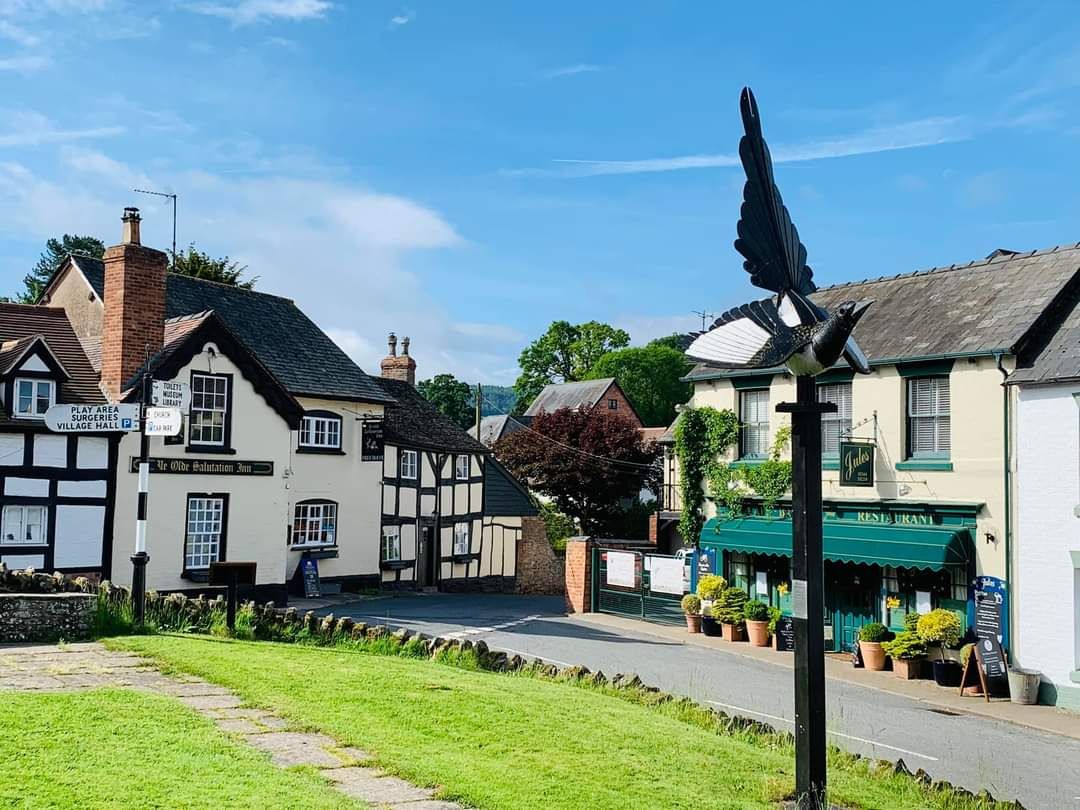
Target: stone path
87, 666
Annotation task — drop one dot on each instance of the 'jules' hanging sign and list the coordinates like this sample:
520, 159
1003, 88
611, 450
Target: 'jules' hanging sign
856, 464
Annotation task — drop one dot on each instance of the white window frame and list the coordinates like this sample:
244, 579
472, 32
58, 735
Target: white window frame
194, 428
205, 534
390, 549
462, 543
408, 465
35, 384
462, 467
315, 523
835, 426
753, 436
23, 510
934, 413
321, 432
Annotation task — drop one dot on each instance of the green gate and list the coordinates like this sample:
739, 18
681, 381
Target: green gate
638, 585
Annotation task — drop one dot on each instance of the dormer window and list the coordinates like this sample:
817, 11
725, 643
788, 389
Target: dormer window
32, 397
320, 431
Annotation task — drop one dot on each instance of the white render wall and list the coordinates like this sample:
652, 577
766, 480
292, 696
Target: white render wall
1047, 586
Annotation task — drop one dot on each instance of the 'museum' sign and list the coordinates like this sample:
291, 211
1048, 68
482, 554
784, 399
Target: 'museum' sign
856, 464
200, 466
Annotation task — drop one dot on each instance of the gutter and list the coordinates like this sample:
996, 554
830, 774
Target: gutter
1008, 496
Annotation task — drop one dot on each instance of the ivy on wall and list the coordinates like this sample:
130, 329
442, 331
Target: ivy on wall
770, 480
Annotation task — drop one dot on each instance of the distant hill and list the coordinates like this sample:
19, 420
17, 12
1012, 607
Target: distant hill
498, 399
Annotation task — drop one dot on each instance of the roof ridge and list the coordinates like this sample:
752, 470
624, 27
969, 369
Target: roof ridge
226, 285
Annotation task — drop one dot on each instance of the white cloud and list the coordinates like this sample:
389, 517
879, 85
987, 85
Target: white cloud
404, 18
26, 63
569, 70
246, 12
18, 35
643, 328
28, 128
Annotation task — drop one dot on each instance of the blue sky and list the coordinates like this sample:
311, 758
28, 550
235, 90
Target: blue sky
466, 173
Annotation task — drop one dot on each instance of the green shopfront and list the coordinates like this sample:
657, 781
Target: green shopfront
882, 560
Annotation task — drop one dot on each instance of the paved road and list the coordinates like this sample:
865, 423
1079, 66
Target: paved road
1011, 762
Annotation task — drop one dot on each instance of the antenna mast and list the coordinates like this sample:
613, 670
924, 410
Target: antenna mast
704, 317
169, 197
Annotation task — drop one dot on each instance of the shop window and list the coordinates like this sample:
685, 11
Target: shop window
835, 426
738, 566
928, 434
23, 525
391, 544
315, 523
754, 423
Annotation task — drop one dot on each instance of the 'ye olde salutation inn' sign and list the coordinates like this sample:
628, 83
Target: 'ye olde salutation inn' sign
199, 466
856, 464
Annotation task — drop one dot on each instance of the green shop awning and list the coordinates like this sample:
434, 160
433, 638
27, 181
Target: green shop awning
900, 546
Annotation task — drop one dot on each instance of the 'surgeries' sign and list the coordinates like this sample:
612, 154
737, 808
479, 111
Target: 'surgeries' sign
856, 464
372, 441
198, 466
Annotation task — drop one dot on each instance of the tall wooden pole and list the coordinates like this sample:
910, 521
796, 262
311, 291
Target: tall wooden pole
807, 593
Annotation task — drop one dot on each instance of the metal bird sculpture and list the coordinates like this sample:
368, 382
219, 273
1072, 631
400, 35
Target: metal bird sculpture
788, 329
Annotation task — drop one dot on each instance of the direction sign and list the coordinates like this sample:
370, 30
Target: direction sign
92, 418
171, 394
162, 421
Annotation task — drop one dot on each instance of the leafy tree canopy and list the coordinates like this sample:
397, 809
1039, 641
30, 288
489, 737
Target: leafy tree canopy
56, 250
679, 341
586, 461
193, 262
451, 397
564, 353
650, 378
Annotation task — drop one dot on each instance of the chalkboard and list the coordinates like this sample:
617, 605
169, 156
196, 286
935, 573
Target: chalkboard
988, 635
309, 570
856, 656
785, 634
992, 659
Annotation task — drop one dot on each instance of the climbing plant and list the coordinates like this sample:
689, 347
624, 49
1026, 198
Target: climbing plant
770, 480
702, 435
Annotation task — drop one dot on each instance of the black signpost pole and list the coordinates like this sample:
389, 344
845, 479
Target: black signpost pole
140, 558
807, 593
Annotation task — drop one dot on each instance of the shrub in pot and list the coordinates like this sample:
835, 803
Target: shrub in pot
942, 627
870, 637
709, 588
691, 606
908, 652
774, 619
730, 610
756, 614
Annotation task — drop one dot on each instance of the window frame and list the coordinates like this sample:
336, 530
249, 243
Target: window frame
757, 426
308, 505
458, 459
390, 532
415, 455
613, 404
938, 418
836, 417
43, 511
222, 538
328, 418
465, 527
200, 446
34, 382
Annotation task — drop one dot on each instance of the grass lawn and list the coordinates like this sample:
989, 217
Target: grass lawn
513, 741
115, 748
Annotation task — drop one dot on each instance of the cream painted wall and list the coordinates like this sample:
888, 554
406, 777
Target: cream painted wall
498, 554
258, 510
85, 310
977, 444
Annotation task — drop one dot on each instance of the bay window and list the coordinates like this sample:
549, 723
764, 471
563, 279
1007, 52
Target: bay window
314, 523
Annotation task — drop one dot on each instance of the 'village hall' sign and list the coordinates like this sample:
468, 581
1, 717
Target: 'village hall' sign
856, 464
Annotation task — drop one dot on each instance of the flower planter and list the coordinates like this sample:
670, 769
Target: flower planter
710, 626
693, 623
734, 632
758, 633
908, 669
873, 656
947, 673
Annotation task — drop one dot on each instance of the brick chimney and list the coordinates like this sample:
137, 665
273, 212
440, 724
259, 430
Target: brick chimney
134, 306
398, 366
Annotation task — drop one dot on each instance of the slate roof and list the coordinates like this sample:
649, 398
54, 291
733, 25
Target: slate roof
1056, 356
493, 428
414, 422
569, 395
302, 357
504, 494
980, 308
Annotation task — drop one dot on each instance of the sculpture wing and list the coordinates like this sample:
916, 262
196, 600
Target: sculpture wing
739, 335
768, 240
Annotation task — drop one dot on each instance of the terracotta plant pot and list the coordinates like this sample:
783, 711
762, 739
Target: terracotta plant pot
734, 632
710, 626
873, 656
908, 669
758, 633
693, 622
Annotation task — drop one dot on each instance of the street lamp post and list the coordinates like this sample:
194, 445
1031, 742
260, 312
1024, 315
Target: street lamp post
140, 558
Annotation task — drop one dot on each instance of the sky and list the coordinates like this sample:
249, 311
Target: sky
465, 173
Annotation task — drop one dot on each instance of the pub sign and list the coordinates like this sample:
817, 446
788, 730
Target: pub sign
372, 441
857, 464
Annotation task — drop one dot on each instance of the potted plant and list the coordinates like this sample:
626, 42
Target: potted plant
870, 637
709, 588
729, 610
942, 627
965, 654
691, 606
907, 651
756, 613
774, 619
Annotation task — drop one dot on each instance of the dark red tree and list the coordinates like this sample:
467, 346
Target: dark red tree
587, 461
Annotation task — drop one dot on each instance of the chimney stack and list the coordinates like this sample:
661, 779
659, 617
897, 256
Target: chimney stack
134, 321
399, 367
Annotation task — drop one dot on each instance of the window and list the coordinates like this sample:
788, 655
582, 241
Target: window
321, 431
209, 409
24, 525
391, 543
754, 421
315, 523
461, 468
205, 531
408, 464
461, 538
33, 397
928, 417
613, 404
835, 426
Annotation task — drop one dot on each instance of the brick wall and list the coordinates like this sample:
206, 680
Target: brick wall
578, 575
46, 616
624, 407
539, 568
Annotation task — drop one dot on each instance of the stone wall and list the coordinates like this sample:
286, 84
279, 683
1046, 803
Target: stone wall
539, 568
46, 616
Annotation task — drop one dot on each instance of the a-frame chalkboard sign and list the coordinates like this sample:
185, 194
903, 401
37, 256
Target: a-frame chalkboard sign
988, 660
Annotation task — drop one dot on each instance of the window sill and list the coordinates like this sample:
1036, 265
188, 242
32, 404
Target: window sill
210, 448
321, 451
461, 558
317, 552
1074, 676
927, 464
830, 464
395, 565
747, 462
196, 575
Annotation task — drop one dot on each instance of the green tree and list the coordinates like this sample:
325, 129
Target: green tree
564, 353
650, 376
450, 397
56, 250
193, 262
678, 340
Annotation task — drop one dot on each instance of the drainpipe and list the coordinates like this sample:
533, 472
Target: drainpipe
1008, 498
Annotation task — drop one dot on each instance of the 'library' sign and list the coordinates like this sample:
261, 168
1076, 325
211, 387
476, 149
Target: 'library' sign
200, 466
856, 464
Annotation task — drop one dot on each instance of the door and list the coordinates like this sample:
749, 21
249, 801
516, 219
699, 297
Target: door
852, 595
426, 558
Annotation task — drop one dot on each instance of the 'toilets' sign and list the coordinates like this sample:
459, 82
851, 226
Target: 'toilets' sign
170, 394
92, 418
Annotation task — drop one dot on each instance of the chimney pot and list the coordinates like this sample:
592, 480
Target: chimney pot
395, 367
392, 342
131, 220
405, 346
